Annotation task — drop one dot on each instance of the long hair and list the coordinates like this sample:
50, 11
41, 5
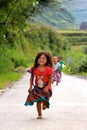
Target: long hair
48, 56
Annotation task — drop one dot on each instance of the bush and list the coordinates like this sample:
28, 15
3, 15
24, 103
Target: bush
6, 64
18, 58
73, 59
82, 65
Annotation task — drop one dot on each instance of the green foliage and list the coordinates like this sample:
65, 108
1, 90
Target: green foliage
13, 15
82, 67
47, 39
6, 64
7, 78
75, 37
76, 61
73, 61
18, 58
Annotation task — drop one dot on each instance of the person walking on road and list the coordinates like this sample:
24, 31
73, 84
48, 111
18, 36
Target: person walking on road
61, 61
56, 73
40, 89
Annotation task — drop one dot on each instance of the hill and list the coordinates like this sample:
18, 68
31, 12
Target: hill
67, 14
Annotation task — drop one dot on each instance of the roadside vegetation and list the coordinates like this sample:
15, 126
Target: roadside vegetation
75, 58
13, 16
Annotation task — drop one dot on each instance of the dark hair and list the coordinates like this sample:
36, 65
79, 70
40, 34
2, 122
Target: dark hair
59, 56
48, 56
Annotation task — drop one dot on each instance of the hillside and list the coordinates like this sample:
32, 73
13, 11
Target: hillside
67, 14
78, 8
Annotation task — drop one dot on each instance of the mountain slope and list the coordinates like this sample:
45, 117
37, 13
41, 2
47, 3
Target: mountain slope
62, 15
78, 9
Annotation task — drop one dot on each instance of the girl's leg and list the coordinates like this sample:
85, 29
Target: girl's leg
44, 105
57, 83
56, 78
39, 110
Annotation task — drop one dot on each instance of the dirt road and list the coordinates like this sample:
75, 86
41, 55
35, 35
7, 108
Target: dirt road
68, 107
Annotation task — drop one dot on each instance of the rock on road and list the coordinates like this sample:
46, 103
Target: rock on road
68, 107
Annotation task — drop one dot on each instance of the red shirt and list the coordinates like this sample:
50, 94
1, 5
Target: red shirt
42, 76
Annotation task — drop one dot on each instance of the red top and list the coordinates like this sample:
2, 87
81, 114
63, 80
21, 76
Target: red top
42, 77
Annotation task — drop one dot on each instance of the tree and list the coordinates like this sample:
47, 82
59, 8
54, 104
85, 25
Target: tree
13, 16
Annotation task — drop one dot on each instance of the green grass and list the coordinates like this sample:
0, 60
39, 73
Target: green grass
67, 71
84, 74
6, 79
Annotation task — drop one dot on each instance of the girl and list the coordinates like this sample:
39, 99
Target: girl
41, 73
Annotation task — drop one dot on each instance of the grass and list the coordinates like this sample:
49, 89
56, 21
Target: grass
83, 74
66, 71
6, 79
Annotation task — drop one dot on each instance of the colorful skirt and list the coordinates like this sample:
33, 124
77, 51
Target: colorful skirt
37, 95
56, 76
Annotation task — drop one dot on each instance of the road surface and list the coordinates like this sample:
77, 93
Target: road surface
68, 107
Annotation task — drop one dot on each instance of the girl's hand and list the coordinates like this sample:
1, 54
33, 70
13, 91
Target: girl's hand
45, 90
29, 90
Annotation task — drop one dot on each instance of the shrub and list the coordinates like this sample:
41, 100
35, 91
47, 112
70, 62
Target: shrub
6, 64
82, 65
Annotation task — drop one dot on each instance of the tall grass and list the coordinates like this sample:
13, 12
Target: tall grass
8, 78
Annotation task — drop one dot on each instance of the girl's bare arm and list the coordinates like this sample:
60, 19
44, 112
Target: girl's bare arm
31, 83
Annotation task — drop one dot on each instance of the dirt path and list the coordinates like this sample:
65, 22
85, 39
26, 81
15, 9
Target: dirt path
68, 107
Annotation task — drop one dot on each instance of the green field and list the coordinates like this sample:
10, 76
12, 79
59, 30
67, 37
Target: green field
75, 37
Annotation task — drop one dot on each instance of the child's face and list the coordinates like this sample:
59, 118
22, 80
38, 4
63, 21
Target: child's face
54, 60
42, 60
58, 59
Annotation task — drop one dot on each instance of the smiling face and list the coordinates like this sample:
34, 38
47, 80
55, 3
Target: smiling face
42, 60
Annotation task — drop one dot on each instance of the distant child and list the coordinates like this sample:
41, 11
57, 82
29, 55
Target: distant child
41, 91
59, 59
56, 74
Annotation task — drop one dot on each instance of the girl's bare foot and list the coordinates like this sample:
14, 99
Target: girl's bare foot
39, 117
56, 83
44, 107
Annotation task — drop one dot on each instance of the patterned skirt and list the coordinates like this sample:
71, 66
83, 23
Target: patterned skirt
37, 95
56, 76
